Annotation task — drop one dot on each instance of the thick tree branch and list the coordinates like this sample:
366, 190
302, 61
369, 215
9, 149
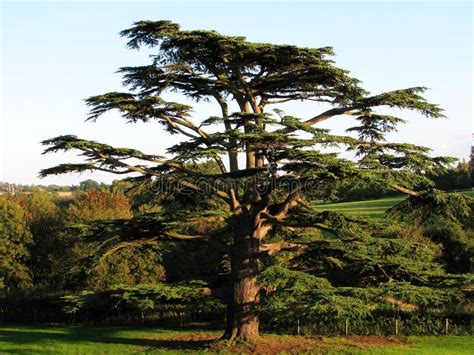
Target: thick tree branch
404, 190
285, 223
291, 201
273, 248
180, 236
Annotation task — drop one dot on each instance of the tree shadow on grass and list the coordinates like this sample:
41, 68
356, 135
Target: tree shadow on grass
75, 335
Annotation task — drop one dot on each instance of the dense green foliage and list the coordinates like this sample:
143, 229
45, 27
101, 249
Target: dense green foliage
42, 255
15, 238
340, 279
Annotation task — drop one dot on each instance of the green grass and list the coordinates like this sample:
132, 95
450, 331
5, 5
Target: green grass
49, 339
429, 345
468, 193
63, 339
370, 208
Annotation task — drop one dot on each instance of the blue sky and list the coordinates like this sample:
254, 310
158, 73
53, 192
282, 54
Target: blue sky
55, 54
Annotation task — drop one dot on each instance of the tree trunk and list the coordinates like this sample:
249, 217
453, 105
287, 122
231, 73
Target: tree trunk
242, 317
230, 331
246, 297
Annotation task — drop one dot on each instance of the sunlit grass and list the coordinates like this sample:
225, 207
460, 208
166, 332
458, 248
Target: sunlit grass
370, 208
83, 340
66, 339
428, 345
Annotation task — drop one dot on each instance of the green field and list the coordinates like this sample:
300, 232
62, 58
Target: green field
101, 340
370, 208
84, 340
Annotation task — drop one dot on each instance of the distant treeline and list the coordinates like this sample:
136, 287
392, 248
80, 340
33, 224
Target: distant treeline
83, 186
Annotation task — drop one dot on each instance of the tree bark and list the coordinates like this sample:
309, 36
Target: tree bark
246, 290
230, 331
242, 316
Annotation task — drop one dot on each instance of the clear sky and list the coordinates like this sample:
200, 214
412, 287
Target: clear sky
55, 54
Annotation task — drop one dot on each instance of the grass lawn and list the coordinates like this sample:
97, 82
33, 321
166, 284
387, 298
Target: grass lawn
370, 208
62, 339
49, 339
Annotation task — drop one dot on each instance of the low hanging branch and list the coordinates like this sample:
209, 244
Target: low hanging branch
405, 190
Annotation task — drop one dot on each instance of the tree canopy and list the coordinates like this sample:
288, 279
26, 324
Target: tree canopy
15, 237
269, 164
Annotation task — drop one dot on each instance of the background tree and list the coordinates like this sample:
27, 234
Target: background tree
274, 162
43, 216
96, 204
90, 184
15, 238
125, 267
448, 220
456, 178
